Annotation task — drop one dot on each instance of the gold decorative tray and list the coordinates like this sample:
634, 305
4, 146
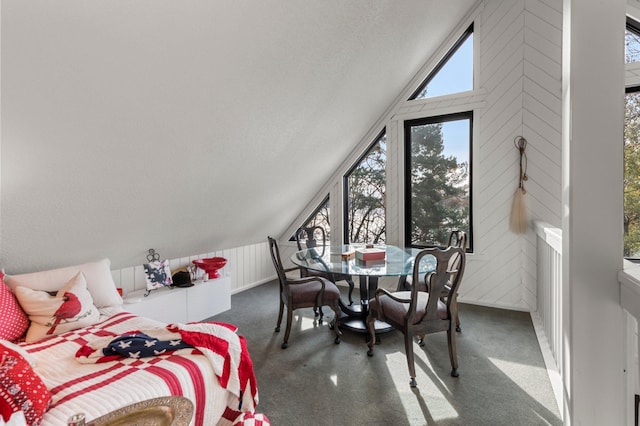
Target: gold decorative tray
163, 411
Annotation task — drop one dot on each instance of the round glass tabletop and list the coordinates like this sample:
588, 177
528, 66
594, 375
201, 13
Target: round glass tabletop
347, 259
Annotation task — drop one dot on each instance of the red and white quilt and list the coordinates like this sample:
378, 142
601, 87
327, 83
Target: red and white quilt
216, 374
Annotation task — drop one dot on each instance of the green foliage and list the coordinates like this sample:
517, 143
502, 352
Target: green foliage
632, 176
367, 197
439, 188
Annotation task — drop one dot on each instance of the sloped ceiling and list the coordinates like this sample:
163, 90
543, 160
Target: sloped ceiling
188, 126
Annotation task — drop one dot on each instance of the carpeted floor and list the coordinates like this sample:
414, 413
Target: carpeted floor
503, 380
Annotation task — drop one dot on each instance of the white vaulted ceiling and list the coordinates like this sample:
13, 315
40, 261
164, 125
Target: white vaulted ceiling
188, 126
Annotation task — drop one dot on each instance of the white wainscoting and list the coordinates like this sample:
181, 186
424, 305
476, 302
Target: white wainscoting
247, 267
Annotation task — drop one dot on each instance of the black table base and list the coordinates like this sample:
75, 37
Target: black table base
354, 316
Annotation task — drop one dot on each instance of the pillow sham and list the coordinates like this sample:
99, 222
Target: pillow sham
22, 391
69, 309
13, 322
98, 275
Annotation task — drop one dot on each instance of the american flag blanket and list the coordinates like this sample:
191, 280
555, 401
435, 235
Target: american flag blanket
90, 370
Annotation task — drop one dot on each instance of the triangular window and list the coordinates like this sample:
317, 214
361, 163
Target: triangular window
320, 217
453, 74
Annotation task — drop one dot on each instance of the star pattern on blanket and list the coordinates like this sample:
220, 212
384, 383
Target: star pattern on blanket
141, 345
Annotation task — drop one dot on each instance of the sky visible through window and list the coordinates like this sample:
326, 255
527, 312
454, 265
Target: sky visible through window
455, 76
457, 73
455, 135
632, 47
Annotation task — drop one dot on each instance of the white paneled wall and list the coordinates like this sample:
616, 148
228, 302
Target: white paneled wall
247, 266
520, 71
517, 92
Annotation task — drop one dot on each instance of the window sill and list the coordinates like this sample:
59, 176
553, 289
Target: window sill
629, 278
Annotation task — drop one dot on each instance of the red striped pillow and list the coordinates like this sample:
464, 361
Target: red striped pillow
14, 322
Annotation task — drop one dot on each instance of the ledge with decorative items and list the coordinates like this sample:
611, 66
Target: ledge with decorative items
190, 294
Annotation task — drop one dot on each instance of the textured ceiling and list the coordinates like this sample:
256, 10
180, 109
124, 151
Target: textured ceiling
186, 126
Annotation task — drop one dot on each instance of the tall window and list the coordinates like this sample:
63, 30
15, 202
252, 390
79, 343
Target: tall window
631, 182
438, 179
365, 193
454, 73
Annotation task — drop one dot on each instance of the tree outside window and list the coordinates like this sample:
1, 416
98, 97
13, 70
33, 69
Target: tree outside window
365, 189
632, 175
438, 184
631, 183
320, 217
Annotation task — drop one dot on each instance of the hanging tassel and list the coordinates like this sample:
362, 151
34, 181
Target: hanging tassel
519, 221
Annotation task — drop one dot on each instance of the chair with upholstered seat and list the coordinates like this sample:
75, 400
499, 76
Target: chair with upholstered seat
316, 237
307, 292
457, 238
417, 312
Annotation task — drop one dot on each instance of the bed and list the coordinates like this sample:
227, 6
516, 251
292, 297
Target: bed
95, 365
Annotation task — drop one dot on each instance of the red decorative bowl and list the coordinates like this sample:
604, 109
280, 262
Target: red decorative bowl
211, 265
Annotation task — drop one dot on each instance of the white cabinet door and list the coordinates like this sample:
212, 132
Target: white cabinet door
166, 305
206, 299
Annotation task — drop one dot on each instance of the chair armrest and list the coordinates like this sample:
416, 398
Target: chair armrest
305, 280
385, 292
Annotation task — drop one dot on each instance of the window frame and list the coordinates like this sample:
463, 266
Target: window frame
325, 201
452, 51
434, 119
345, 183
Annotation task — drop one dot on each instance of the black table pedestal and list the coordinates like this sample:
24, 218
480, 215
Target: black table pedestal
355, 316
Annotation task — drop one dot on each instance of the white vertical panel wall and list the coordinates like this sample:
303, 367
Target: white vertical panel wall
247, 267
517, 92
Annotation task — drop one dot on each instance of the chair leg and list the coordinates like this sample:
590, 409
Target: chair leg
336, 329
279, 316
408, 347
351, 286
371, 319
285, 343
454, 311
453, 356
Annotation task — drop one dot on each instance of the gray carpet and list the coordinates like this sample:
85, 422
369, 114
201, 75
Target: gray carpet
502, 379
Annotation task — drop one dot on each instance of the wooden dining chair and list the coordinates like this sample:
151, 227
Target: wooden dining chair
457, 238
417, 312
316, 237
306, 292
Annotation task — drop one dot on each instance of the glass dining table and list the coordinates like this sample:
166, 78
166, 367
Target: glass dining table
341, 259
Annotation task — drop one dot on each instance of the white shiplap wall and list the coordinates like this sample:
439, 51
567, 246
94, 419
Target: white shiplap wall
517, 93
247, 266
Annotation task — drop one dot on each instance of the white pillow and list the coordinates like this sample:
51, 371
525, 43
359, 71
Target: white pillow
69, 309
98, 275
